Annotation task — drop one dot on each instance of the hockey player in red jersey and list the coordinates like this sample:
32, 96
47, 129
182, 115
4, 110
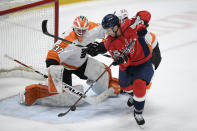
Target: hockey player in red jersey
150, 37
136, 68
143, 17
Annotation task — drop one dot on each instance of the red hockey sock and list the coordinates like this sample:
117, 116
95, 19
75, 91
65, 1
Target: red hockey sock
139, 88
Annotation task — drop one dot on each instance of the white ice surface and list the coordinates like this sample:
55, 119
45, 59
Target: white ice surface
171, 101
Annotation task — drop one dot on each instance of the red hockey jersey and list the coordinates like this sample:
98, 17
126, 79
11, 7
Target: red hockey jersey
139, 54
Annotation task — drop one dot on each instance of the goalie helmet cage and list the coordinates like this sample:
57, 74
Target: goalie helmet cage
21, 36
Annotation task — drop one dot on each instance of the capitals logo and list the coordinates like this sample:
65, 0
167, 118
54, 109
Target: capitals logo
128, 48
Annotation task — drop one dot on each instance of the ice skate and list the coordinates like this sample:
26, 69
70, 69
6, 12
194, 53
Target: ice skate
139, 119
130, 102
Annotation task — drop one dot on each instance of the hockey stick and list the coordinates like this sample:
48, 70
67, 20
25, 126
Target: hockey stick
90, 100
70, 89
11, 58
45, 31
73, 107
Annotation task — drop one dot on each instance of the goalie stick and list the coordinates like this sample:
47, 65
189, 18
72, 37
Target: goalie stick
70, 89
88, 99
11, 58
45, 31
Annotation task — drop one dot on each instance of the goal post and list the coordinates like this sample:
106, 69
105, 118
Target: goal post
21, 36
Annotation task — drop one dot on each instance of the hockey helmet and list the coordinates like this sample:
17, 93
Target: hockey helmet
80, 25
109, 21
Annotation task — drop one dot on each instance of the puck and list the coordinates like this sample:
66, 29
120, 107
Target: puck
73, 108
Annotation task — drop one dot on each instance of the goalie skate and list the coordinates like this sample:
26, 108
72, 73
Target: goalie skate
22, 97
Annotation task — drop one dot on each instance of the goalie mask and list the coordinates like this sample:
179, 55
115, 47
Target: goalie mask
80, 25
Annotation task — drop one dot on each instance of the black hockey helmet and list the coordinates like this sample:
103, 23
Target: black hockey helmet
110, 21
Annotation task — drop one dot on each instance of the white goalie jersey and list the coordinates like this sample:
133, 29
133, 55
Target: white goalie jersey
68, 54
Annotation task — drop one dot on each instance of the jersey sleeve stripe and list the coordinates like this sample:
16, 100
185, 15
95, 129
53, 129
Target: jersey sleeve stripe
53, 55
69, 66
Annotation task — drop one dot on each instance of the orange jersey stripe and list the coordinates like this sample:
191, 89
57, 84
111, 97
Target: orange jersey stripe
150, 48
92, 25
53, 55
153, 37
71, 37
69, 66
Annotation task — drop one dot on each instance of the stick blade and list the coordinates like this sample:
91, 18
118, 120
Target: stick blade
61, 114
7, 56
44, 26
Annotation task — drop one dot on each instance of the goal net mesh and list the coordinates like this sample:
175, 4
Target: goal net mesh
21, 37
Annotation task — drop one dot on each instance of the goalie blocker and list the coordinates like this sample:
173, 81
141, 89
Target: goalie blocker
57, 93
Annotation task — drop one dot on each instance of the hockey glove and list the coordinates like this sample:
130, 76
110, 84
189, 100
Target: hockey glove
120, 60
89, 49
144, 15
142, 32
93, 49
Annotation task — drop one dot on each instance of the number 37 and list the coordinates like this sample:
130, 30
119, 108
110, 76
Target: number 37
58, 49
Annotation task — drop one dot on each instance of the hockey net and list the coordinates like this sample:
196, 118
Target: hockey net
21, 36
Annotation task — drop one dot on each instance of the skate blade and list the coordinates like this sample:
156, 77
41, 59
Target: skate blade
142, 126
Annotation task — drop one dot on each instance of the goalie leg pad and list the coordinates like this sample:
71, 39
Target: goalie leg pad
36, 91
55, 73
93, 70
39, 94
62, 99
114, 84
